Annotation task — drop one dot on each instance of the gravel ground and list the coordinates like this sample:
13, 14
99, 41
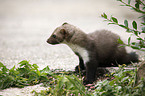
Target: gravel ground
25, 26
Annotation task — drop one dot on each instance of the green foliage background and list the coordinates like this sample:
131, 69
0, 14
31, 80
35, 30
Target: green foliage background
139, 7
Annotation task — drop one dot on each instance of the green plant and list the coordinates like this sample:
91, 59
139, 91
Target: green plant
62, 83
139, 6
26, 74
123, 84
66, 86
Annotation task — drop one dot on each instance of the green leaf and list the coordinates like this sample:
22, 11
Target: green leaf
124, 79
110, 23
134, 47
1, 64
104, 15
137, 5
45, 70
134, 24
23, 63
120, 41
62, 80
122, 5
126, 23
123, 26
13, 72
12, 69
78, 85
35, 66
129, 40
3, 68
143, 23
133, 43
129, 1
139, 39
136, 33
114, 19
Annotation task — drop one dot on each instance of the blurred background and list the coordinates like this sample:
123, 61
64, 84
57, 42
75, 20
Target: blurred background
25, 25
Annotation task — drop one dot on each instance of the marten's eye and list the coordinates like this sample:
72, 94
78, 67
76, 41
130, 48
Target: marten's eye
54, 36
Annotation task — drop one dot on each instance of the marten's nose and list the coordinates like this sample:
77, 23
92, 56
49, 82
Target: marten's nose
47, 41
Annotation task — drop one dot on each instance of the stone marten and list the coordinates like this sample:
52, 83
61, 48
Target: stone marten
97, 49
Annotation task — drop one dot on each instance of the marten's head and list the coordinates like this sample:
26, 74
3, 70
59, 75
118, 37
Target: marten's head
61, 34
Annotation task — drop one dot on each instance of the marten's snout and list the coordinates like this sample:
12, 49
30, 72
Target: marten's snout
52, 41
47, 41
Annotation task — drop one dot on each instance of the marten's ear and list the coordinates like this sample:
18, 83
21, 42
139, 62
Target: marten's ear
64, 32
64, 23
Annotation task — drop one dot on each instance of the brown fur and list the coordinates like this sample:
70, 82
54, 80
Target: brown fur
102, 47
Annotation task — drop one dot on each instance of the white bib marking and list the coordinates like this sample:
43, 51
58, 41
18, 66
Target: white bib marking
82, 52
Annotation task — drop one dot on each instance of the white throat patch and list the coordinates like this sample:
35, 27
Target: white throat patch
82, 52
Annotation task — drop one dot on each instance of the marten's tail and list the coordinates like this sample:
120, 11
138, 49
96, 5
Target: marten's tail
131, 57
